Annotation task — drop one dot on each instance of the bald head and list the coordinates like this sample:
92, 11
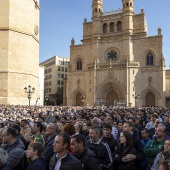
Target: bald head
160, 133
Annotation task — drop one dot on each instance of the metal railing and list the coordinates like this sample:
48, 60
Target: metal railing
112, 12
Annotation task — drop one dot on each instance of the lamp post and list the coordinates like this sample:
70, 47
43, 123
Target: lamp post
46, 99
29, 91
136, 97
82, 99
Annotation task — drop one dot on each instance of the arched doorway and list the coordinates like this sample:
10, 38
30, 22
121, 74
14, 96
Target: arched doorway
112, 96
78, 99
150, 99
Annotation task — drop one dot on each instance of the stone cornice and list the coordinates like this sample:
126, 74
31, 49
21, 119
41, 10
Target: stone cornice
150, 69
114, 65
19, 31
19, 73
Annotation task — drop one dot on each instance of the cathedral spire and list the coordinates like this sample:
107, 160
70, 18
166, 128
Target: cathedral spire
97, 7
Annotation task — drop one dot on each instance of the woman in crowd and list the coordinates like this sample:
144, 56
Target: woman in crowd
69, 129
119, 156
163, 156
78, 126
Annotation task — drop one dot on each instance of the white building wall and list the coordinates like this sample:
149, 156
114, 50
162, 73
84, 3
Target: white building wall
41, 86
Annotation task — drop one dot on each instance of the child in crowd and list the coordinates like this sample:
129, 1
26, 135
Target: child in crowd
33, 153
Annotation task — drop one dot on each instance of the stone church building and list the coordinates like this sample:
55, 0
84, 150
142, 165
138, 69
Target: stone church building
117, 62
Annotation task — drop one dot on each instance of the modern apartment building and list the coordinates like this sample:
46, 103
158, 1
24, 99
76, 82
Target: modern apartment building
55, 71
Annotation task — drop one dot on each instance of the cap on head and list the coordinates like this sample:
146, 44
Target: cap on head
155, 115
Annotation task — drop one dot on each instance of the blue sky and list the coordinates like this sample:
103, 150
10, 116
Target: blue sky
61, 20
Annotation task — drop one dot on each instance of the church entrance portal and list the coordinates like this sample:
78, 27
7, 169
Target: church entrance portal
150, 99
78, 100
112, 97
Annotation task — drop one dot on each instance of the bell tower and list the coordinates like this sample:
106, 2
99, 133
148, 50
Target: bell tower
127, 29
128, 13
19, 50
97, 8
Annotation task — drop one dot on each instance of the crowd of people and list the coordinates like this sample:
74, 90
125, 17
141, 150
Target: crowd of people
84, 138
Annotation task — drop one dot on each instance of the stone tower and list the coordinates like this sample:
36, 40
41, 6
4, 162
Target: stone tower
19, 50
97, 8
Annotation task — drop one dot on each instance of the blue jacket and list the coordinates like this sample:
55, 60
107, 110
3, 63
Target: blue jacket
4, 167
15, 152
36, 165
48, 150
145, 142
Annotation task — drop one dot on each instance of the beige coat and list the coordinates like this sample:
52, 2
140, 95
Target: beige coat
26, 132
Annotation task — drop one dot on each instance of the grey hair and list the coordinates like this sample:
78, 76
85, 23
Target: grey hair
3, 156
55, 127
97, 120
162, 125
97, 129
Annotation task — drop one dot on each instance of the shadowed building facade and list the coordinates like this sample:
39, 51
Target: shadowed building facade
117, 62
55, 71
19, 50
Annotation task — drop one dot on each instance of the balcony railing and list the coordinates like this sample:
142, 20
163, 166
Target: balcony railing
112, 12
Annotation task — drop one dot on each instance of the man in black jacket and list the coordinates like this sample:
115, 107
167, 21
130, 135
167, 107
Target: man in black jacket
51, 132
85, 155
63, 159
101, 149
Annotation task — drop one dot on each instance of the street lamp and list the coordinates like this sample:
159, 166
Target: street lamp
82, 99
29, 91
136, 97
46, 99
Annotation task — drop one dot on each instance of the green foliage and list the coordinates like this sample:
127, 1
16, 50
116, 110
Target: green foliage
59, 96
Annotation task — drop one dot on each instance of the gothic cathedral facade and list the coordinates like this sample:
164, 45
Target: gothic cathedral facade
19, 50
117, 62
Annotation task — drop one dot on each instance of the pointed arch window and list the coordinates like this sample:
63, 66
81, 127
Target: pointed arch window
105, 28
119, 26
79, 64
149, 59
111, 27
